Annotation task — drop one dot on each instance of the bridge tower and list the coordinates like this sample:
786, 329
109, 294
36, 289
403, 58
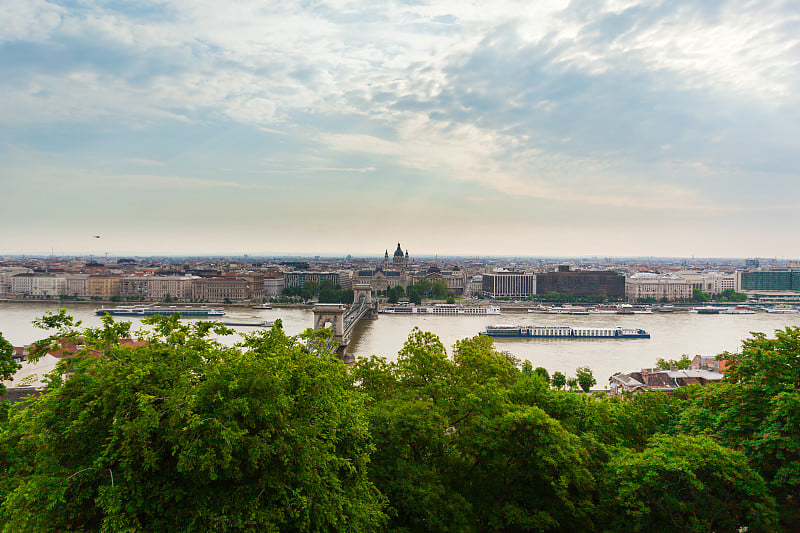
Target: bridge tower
362, 290
342, 321
331, 316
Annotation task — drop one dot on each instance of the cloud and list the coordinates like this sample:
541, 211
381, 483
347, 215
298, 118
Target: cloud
620, 103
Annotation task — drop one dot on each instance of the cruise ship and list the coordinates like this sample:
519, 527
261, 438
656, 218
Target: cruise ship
565, 332
439, 309
150, 311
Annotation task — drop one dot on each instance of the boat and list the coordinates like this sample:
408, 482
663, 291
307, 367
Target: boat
538, 309
150, 311
262, 306
565, 332
439, 309
781, 310
707, 310
568, 310
666, 308
259, 324
604, 310
628, 309
737, 311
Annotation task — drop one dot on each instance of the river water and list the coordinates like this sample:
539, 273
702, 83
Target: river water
672, 334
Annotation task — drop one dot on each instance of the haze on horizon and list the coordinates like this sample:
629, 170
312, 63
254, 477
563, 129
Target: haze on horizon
608, 128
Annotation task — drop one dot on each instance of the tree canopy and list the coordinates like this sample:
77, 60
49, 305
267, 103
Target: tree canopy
185, 434
180, 432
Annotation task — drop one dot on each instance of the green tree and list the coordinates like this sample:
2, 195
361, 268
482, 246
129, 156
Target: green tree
685, 483
559, 380
185, 434
585, 378
8, 366
699, 296
682, 364
757, 410
542, 372
414, 294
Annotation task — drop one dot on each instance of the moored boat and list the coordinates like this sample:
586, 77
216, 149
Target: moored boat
781, 310
440, 309
707, 310
150, 311
565, 332
739, 310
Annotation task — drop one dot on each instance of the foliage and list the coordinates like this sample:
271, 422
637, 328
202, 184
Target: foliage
184, 434
699, 296
456, 453
8, 366
329, 292
585, 378
730, 295
685, 483
682, 364
395, 293
757, 410
426, 289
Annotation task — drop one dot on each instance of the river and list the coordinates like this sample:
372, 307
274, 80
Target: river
672, 334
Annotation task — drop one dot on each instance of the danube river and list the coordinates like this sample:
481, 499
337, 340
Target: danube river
673, 334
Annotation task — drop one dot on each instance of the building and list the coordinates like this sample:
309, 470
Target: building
273, 286
380, 280
176, 287
708, 362
6, 273
475, 285
510, 284
658, 287
400, 260
133, 288
76, 285
104, 287
581, 283
649, 379
220, 289
38, 285
343, 278
255, 285
769, 280
710, 282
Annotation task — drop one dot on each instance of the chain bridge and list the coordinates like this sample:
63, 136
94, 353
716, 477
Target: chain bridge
342, 319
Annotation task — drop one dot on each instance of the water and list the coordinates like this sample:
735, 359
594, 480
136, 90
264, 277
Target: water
672, 334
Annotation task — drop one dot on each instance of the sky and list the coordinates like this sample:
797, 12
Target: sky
588, 127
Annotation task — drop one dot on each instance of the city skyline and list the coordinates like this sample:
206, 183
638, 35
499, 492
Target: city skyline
555, 129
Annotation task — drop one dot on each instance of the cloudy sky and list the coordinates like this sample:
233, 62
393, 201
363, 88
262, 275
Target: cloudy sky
586, 127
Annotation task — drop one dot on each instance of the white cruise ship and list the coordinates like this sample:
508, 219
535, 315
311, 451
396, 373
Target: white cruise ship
439, 309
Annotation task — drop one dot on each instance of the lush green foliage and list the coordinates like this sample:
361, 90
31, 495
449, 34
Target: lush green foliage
186, 434
426, 289
393, 294
7, 364
682, 363
685, 483
326, 291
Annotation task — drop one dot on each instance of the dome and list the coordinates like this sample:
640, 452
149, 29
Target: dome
398, 252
